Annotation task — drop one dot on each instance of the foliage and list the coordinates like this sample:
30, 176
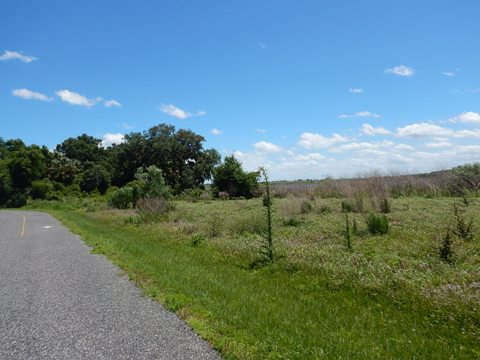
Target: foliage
121, 198
267, 245
346, 232
152, 183
376, 224
95, 177
229, 177
153, 209
41, 189
465, 178
445, 251
463, 228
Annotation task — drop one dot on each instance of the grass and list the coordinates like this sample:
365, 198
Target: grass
391, 297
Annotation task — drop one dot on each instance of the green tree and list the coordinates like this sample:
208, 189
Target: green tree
231, 178
83, 148
152, 183
95, 177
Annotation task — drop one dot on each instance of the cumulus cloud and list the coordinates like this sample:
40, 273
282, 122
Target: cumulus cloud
13, 55
355, 90
267, 147
363, 146
467, 133
178, 113
469, 117
438, 144
30, 95
110, 103
74, 98
359, 114
109, 139
310, 140
368, 129
424, 129
216, 132
401, 70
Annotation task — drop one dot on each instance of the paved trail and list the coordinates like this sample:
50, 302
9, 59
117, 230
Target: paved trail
59, 301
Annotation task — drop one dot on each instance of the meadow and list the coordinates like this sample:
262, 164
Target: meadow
385, 296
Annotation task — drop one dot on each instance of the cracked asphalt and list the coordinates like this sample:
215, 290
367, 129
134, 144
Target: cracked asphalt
59, 301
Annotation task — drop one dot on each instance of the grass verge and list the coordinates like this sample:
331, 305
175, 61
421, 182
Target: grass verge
268, 313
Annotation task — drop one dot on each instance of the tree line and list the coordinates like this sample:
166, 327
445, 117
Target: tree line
80, 165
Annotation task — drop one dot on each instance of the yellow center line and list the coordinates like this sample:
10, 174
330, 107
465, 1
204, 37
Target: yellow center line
23, 226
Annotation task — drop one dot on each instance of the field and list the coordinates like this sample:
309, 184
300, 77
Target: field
389, 296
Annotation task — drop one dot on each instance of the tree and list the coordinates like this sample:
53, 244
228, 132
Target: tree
151, 183
179, 154
231, 178
465, 178
82, 148
62, 169
95, 177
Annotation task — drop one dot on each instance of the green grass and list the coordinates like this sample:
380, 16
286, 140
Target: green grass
391, 297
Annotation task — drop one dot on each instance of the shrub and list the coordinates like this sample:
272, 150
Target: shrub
267, 246
41, 189
152, 183
121, 198
346, 232
445, 251
17, 200
306, 207
463, 228
153, 209
376, 224
385, 206
354, 205
231, 178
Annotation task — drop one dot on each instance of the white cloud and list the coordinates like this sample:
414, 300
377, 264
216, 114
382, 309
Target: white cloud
401, 70
127, 126
359, 114
403, 147
468, 133
216, 132
355, 90
30, 95
469, 117
13, 55
438, 144
261, 131
267, 147
448, 73
178, 113
311, 140
423, 130
110, 103
74, 98
363, 146
368, 129
109, 139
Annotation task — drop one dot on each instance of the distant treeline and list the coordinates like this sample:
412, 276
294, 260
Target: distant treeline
81, 165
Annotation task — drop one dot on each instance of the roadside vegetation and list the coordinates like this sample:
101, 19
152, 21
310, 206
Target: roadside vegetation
379, 267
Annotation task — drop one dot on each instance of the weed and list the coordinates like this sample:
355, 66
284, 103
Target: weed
267, 246
324, 209
376, 224
214, 226
346, 232
355, 227
197, 239
445, 251
385, 206
463, 228
293, 221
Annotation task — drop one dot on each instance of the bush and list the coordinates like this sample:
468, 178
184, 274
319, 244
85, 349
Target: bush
152, 183
463, 228
445, 251
376, 224
229, 177
41, 189
385, 206
153, 209
17, 200
121, 198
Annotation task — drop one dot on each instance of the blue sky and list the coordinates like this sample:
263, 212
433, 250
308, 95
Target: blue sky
306, 88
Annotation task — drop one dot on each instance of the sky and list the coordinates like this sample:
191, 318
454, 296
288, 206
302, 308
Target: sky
308, 89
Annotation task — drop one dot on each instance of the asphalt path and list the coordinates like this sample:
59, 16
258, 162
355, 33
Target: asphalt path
59, 301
